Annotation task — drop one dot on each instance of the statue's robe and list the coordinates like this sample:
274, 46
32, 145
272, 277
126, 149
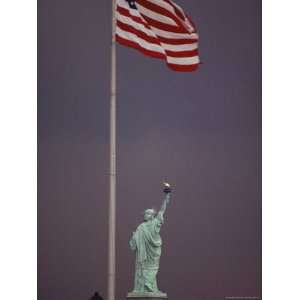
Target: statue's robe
146, 242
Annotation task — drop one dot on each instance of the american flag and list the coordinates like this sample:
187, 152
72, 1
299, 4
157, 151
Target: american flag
160, 29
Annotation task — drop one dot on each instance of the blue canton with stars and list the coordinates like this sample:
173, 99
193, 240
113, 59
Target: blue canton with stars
131, 4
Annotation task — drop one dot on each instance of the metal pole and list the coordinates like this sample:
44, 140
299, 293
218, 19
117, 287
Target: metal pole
112, 168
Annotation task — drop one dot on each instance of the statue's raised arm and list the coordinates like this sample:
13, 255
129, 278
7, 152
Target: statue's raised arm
167, 191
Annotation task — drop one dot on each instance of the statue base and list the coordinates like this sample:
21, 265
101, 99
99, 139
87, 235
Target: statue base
147, 295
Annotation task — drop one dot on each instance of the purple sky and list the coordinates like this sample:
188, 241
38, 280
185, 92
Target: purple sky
200, 131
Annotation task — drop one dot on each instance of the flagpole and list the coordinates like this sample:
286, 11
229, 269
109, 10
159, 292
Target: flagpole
112, 168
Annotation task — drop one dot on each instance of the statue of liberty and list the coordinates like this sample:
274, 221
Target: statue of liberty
146, 242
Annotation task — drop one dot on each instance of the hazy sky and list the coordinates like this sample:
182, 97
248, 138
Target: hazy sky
200, 131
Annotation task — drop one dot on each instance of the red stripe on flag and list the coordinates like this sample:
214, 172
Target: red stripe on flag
176, 41
164, 26
189, 53
183, 68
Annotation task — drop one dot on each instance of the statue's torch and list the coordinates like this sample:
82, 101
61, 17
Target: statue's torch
167, 187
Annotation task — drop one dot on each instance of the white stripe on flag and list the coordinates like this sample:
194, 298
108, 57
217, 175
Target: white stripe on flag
178, 48
183, 60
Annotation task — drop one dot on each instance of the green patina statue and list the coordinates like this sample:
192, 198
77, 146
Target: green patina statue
146, 242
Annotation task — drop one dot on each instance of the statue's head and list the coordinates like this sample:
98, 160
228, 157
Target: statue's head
149, 214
